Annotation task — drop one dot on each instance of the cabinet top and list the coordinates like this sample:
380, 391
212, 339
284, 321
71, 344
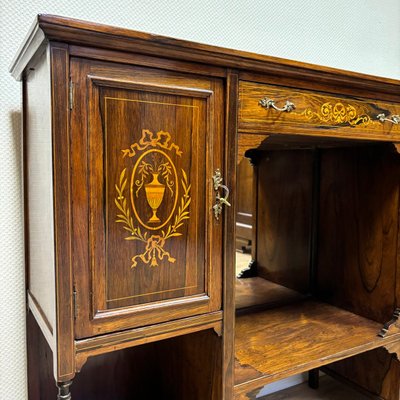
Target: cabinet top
77, 32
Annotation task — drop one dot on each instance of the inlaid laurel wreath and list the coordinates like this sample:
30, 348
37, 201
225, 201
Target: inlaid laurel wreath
153, 172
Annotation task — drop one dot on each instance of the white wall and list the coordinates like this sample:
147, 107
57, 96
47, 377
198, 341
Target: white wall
359, 35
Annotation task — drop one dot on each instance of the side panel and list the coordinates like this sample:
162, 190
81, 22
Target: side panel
47, 204
64, 365
358, 230
39, 196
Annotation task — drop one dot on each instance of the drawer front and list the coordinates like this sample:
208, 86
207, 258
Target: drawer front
315, 113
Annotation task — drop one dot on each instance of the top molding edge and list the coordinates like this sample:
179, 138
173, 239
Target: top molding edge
72, 31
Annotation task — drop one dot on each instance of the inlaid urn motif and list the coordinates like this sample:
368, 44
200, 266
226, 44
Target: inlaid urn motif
154, 194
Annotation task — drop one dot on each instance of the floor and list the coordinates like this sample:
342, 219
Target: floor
329, 389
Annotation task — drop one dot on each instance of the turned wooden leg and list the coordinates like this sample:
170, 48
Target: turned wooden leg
63, 390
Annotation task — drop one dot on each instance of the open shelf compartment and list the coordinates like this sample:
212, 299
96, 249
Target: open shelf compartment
276, 343
325, 240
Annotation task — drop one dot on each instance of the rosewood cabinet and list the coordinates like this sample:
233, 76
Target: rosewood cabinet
134, 206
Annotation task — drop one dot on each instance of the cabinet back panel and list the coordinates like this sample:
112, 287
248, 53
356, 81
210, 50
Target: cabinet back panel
284, 214
358, 227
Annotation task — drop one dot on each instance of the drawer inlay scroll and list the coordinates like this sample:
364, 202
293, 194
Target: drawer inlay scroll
154, 176
338, 113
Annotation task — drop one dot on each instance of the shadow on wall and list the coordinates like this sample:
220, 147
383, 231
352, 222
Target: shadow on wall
12, 287
16, 128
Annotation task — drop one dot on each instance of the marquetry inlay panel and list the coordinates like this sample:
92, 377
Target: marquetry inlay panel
154, 179
152, 184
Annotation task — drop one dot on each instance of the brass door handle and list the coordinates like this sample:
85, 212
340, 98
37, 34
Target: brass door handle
394, 119
267, 103
219, 200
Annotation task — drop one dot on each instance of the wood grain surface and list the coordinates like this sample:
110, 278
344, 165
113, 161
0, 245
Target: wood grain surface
257, 292
229, 272
358, 230
284, 217
64, 367
274, 344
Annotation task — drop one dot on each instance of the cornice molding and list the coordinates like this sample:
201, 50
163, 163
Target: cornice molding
77, 32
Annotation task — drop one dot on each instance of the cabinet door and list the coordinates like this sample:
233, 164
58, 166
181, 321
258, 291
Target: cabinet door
145, 145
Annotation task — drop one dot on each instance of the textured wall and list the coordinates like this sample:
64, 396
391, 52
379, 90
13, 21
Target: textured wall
360, 35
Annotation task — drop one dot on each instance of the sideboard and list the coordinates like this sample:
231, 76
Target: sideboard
131, 147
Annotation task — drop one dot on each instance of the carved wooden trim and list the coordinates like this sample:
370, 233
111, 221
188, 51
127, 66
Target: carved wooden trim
393, 348
250, 271
116, 341
247, 142
397, 147
80, 361
218, 329
389, 327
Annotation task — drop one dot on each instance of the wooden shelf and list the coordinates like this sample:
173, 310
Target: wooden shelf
277, 343
252, 293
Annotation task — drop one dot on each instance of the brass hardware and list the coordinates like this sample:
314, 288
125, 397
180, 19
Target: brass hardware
220, 200
74, 299
71, 94
386, 327
268, 103
395, 119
